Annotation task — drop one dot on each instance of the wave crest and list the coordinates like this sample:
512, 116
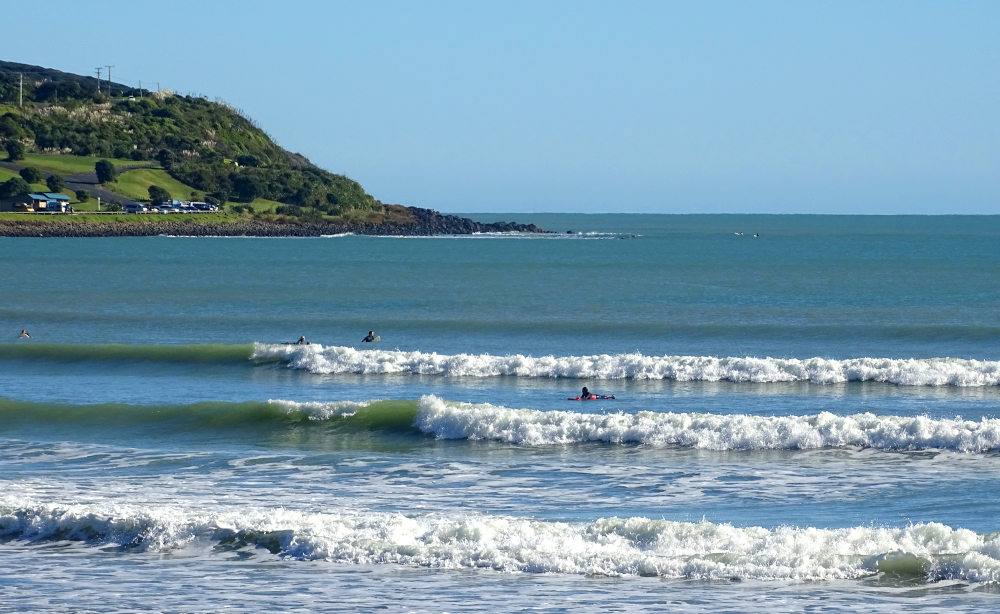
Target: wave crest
905, 372
454, 420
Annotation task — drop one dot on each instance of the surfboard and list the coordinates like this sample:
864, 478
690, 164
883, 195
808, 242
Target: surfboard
593, 397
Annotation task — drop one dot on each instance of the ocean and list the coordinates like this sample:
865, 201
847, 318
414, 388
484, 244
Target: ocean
805, 418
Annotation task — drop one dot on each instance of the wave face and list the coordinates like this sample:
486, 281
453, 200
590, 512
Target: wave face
451, 420
608, 546
905, 372
268, 416
443, 419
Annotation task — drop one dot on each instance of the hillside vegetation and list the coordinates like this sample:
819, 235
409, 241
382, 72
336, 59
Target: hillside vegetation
208, 146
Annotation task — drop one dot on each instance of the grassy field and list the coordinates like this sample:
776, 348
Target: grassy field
135, 185
6, 174
66, 164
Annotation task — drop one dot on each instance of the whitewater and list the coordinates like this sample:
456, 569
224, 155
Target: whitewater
904, 372
607, 547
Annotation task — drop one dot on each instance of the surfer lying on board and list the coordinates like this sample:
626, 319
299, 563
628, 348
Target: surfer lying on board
301, 341
587, 395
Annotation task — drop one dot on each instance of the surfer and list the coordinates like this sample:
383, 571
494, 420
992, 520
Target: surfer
301, 341
370, 338
585, 394
24, 334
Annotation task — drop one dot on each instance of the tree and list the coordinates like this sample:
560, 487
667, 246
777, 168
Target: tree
15, 186
105, 171
221, 196
165, 157
31, 174
82, 196
15, 150
158, 194
55, 183
246, 188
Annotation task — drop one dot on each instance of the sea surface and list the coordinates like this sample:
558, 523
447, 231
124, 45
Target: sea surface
805, 419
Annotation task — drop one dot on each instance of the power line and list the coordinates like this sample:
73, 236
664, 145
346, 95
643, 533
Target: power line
98, 69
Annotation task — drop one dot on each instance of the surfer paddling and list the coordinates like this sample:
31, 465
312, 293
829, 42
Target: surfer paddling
24, 334
587, 395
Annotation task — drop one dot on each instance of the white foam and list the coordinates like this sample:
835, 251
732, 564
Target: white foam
316, 410
609, 546
907, 372
454, 420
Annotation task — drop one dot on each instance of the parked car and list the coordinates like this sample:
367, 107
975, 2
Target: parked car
134, 208
24, 207
165, 208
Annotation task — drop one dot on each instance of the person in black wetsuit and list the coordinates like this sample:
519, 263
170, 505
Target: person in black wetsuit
301, 341
370, 338
585, 395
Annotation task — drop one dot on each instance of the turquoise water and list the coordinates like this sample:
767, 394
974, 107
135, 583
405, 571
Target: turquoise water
804, 419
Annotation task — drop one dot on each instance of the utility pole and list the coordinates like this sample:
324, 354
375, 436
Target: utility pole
109, 77
98, 79
20, 91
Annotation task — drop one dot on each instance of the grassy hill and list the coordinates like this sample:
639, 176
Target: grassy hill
207, 148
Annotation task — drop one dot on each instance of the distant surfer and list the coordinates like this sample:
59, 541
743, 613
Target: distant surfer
585, 394
301, 341
370, 338
24, 334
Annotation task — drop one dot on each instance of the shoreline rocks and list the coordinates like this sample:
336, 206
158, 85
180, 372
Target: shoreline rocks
425, 222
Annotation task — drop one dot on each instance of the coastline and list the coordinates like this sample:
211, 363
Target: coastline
425, 222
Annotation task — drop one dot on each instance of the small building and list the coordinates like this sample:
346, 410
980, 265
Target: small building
48, 201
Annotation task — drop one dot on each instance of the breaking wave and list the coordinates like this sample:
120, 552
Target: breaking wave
904, 372
619, 547
454, 420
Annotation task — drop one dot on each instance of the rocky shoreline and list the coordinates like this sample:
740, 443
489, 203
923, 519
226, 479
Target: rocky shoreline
425, 222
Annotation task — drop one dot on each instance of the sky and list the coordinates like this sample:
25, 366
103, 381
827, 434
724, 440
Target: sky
883, 107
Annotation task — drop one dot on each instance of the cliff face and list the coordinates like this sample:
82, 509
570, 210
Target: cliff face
425, 222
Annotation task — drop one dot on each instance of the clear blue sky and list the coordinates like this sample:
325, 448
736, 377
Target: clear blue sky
512, 106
